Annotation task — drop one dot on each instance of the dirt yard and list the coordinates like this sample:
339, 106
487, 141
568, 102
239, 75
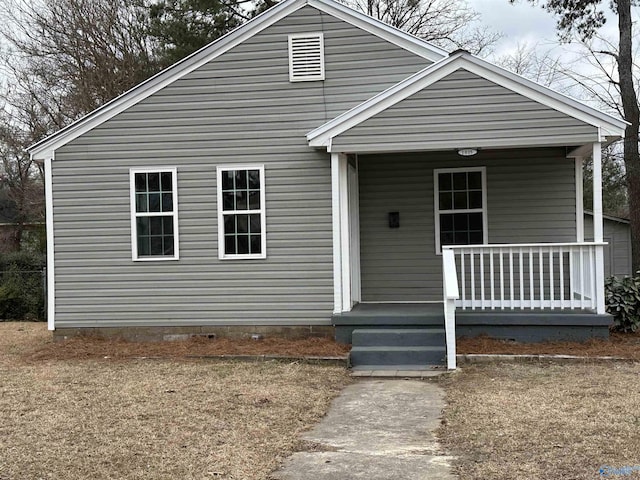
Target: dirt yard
72, 416
540, 422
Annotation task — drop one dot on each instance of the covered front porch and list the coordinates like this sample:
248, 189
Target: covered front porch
457, 204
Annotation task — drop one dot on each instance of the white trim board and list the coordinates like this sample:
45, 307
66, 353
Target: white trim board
45, 147
51, 284
323, 135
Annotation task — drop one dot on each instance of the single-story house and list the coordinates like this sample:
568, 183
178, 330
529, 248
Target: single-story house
316, 170
616, 233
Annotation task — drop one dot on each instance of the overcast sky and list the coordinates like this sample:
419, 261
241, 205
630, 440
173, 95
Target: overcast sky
520, 22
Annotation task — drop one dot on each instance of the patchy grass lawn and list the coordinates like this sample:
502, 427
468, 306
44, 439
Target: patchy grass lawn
543, 421
157, 419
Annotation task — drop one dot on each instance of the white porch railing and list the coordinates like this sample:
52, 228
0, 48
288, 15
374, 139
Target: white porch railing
528, 276
521, 276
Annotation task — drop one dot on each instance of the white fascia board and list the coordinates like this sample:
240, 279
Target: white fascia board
380, 29
543, 95
43, 148
321, 136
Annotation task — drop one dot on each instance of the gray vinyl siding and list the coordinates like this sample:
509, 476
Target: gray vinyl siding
530, 199
464, 110
617, 252
238, 109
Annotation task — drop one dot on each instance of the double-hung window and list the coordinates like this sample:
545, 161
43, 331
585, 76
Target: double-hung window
241, 212
154, 213
460, 206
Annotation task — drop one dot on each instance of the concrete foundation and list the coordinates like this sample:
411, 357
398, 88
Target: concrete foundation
153, 334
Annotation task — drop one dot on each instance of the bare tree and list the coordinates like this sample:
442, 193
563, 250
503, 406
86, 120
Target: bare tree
449, 24
582, 19
59, 59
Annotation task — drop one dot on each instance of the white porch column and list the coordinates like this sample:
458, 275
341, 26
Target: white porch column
340, 221
579, 200
597, 225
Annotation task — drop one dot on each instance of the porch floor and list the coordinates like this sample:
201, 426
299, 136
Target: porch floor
513, 324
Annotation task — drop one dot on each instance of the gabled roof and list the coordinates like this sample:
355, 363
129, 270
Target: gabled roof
322, 136
46, 147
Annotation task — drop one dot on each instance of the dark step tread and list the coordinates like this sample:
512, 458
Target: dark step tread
399, 330
378, 348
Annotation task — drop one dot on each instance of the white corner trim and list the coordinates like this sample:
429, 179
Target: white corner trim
174, 214
222, 255
41, 149
322, 136
51, 284
345, 232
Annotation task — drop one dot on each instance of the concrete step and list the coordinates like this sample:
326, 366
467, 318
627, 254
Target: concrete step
398, 337
384, 355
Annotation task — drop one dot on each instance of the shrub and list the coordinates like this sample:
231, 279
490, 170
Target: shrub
21, 286
622, 297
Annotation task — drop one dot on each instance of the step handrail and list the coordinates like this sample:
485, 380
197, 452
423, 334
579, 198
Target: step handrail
451, 294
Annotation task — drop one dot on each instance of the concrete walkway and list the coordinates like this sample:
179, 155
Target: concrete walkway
375, 430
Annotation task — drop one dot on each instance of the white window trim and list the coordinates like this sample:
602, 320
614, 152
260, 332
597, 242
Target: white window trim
262, 211
135, 214
436, 202
307, 78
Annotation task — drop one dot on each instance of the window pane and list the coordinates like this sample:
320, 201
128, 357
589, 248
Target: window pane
168, 245
166, 181
229, 224
167, 225
460, 200
143, 246
241, 179
444, 181
243, 223
142, 226
254, 200
460, 181
475, 180
475, 199
475, 238
141, 182
167, 202
475, 221
243, 244
156, 246
446, 201
227, 180
154, 182
241, 200
227, 201
230, 244
460, 222
156, 225
141, 202
446, 222
461, 238
255, 224
256, 245
154, 202
254, 179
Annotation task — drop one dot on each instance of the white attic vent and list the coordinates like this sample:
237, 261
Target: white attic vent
306, 57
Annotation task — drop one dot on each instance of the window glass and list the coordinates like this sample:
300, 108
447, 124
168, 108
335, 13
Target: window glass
460, 207
154, 214
242, 212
